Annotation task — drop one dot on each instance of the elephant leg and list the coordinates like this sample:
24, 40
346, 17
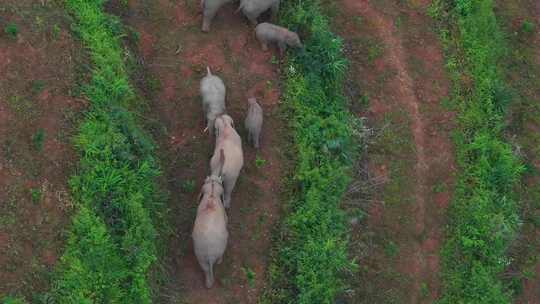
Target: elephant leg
264, 46
282, 47
275, 10
229, 186
208, 15
256, 140
210, 275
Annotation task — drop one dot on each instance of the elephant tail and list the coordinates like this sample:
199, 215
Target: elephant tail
210, 276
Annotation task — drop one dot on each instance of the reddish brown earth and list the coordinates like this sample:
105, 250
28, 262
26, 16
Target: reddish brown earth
36, 76
398, 64
175, 54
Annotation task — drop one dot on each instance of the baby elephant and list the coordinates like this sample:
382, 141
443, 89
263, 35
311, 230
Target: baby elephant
253, 8
267, 33
254, 121
213, 98
210, 230
227, 140
210, 9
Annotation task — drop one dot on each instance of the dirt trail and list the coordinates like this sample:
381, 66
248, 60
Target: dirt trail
405, 80
175, 54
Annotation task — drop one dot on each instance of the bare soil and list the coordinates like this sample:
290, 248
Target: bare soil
37, 74
174, 53
397, 67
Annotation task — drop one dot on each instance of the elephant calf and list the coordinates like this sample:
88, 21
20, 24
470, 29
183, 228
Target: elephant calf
254, 121
213, 98
253, 8
267, 33
227, 140
209, 10
210, 229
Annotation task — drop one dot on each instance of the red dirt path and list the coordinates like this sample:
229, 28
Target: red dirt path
415, 83
175, 54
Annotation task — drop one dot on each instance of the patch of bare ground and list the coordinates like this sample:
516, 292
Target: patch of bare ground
397, 72
174, 54
37, 114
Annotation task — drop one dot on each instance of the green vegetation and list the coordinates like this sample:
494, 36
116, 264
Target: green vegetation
484, 214
112, 241
311, 259
37, 139
11, 30
12, 300
35, 196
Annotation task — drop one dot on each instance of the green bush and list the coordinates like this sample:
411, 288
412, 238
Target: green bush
312, 259
111, 244
483, 217
11, 30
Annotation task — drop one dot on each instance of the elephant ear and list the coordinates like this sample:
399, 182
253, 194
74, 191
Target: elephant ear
200, 196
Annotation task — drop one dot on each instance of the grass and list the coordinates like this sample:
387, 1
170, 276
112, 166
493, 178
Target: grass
111, 244
11, 30
311, 261
37, 139
483, 217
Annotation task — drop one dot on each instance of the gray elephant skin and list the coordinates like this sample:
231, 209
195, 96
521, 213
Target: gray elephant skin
270, 33
213, 92
228, 140
209, 10
252, 9
253, 122
210, 229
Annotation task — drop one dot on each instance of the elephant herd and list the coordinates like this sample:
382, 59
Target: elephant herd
210, 233
265, 32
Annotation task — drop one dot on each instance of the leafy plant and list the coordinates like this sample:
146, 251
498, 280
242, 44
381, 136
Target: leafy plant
311, 260
250, 276
188, 186
11, 30
35, 195
527, 27
36, 86
484, 215
259, 162
112, 242
37, 139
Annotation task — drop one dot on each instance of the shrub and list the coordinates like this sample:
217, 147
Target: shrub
483, 217
312, 258
11, 30
111, 244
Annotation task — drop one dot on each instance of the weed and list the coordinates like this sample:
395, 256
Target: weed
36, 86
375, 51
37, 139
250, 276
483, 216
188, 186
438, 187
363, 101
13, 300
35, 196
113, 232
259, 162
527, 27
11, 30
310, 262
55, 31
391, 249
274, 60
424, 290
